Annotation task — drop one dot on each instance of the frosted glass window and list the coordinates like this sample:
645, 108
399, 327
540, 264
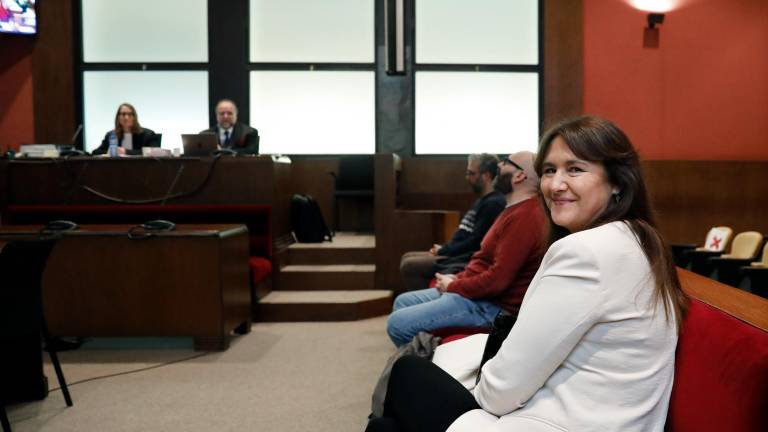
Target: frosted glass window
473, 112
303, 112
170, 103
312, 31
145, 31
477, 31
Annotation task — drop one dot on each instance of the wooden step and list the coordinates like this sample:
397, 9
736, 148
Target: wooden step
346, 248
327, 277
293, 306
309, 256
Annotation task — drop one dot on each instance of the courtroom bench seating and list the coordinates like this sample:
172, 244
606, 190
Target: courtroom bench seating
258, 219
721, 363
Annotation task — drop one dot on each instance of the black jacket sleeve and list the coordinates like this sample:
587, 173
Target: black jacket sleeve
104, 145
486, 215
248, 143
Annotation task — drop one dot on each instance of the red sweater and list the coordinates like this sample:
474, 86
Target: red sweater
509, 256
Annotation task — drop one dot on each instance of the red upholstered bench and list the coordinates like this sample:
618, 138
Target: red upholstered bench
721, 369
721, 366
258, 219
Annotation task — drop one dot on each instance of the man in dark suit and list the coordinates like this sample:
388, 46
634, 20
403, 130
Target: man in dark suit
232, 135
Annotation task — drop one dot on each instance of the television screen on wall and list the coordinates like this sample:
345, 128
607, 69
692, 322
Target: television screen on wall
18, 16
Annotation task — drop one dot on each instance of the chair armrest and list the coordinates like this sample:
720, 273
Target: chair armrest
754, 270
718, 261
703, 254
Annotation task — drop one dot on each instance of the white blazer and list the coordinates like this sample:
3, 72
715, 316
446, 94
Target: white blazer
590, 350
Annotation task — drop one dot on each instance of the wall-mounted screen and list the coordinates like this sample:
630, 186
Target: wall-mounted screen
18, 17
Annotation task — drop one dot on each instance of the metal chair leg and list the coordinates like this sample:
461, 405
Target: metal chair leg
56, 364
4, 419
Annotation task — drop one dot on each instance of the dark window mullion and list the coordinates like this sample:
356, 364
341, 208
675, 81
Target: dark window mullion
455, 67
147, 66
278, 66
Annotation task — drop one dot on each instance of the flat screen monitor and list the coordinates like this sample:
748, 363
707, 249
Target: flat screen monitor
18, 16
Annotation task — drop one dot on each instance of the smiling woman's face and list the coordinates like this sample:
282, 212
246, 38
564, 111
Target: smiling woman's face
576, 191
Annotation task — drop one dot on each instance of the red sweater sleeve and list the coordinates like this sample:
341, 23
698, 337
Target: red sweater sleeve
518, 237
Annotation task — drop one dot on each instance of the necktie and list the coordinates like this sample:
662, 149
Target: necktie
226, 138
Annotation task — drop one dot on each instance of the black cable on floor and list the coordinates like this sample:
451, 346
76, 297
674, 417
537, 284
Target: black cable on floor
132, 371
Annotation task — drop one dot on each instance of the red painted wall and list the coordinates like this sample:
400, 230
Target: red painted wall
702, 95
17, 124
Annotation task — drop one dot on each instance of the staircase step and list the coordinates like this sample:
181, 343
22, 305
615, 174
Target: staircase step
308, 256
324, 277
292, 306
346, 248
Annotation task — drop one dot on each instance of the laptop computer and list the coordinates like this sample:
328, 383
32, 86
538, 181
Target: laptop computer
199, 144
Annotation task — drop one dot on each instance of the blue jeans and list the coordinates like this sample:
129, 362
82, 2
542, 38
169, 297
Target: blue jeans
427, 310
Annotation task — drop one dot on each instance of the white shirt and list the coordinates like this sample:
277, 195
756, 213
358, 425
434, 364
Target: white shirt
223, 136
127, 141
590, 351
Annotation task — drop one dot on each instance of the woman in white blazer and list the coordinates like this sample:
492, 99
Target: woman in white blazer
593, 346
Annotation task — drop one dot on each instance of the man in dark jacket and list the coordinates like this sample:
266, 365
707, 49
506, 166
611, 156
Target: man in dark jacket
418, 267
231, 134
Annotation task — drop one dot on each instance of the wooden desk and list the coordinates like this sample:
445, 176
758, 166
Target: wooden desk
189, 282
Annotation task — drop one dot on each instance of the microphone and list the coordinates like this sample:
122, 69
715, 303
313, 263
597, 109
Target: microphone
77, 132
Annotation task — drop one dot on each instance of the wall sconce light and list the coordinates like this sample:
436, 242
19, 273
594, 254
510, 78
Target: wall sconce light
651, 33
655, 18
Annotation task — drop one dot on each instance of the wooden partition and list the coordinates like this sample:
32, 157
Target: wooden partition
692, 196
94, 180
399, 230
689, 196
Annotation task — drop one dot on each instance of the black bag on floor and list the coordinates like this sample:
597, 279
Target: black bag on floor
307, 221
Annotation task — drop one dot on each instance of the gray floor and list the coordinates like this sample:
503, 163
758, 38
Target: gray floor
280, 377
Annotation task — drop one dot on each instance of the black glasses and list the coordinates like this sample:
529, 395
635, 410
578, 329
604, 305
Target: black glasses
508, 161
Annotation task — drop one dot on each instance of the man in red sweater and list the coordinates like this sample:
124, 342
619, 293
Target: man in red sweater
498, 274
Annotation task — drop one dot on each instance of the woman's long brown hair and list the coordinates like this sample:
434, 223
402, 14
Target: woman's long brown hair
597, 140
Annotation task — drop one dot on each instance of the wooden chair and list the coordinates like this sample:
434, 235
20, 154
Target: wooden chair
743, 251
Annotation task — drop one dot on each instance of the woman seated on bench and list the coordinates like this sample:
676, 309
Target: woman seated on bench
594, 345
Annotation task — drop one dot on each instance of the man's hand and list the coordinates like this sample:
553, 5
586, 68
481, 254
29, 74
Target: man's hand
435, 247
443, 280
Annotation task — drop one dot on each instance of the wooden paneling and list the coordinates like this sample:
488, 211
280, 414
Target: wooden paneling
311, 177
189, 282
563, 59
428, 184
53, 73
692, 196
397, 230
229, 180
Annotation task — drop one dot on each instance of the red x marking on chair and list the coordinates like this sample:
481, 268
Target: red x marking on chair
715, 243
